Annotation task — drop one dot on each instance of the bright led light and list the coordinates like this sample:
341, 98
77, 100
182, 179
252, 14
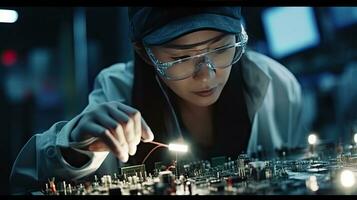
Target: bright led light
314, 187
355, 138
8, 16
347, 178
313, 178
312, 183
178, 147
312, 139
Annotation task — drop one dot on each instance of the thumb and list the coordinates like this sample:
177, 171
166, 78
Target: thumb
146, 134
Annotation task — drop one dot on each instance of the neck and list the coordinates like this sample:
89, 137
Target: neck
198, 121
186, 107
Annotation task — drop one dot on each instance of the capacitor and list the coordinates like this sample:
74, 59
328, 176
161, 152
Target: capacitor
145, 175
81, 190
69, 189
109, 180
168, 179
218, 175
64, 187
130, 180
189, 187
53, 189
141, 179
47, 189
95, 184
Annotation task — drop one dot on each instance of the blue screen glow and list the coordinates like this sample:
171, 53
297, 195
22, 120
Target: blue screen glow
289, 30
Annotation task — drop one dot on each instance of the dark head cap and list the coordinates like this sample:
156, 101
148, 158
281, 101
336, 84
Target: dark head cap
157, 25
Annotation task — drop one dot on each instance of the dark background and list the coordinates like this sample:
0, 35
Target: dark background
51, 55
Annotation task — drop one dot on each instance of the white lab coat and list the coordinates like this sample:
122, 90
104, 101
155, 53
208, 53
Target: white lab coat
272, 94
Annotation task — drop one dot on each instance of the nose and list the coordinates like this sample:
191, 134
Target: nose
206, 70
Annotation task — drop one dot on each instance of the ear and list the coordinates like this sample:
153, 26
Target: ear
139, 48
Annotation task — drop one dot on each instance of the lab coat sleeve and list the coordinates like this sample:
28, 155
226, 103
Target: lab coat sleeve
277, 122
297, 136
287, 108
41, 158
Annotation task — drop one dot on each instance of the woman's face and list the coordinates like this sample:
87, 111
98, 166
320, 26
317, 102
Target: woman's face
205, 86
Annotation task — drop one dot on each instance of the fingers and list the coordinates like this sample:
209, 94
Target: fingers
122, 145
120, 128
125, 127
120, 150
147, 134
142, 130
129, 133
137, 126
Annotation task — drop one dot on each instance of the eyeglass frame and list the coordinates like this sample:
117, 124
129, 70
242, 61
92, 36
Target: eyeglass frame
161, 67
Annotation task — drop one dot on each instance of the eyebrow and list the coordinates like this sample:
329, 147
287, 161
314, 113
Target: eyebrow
190, 46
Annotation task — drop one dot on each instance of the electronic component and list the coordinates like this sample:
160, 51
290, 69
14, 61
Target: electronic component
329, 171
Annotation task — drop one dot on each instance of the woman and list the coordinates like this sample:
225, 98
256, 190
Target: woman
191, 81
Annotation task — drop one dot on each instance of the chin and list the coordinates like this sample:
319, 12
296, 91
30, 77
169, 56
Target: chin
204, 101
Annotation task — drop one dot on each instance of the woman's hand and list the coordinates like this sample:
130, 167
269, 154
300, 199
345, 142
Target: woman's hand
112, 126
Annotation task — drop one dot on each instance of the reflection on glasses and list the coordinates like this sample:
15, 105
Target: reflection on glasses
218, 58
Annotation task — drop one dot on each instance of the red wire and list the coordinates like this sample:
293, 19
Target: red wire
158, 143
153, 149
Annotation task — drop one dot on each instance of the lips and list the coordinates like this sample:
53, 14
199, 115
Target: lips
206, 93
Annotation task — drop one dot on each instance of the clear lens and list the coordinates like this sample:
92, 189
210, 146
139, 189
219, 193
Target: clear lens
220, 59
184, 68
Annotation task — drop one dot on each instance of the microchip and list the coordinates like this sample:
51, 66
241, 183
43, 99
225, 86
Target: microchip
133, 170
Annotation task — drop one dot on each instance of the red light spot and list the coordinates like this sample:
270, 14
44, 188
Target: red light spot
8, 58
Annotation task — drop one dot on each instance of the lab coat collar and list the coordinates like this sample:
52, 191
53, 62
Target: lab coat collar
256, 81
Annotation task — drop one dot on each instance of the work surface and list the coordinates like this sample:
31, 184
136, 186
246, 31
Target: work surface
317, 170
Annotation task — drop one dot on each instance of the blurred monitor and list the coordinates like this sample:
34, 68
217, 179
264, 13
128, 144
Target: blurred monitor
290, 30
343, 16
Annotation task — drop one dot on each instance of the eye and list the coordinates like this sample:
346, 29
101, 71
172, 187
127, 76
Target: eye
220, 51
180, 57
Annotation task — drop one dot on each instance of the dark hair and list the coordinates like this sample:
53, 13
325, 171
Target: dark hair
230, 113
